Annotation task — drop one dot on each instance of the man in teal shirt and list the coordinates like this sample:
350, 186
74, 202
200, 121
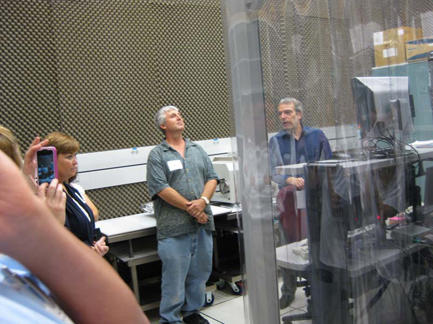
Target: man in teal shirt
181, 181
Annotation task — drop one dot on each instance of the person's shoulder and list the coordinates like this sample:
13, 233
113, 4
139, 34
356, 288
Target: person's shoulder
278, 135
272, 141
158, 149
190, 143
154, 155
79, 188
159, 146
308, 129
313, 130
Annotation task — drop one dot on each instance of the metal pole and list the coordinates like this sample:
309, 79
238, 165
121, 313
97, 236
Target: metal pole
242, 42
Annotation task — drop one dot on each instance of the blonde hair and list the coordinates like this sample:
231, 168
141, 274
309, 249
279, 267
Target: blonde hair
63, 143
9, 145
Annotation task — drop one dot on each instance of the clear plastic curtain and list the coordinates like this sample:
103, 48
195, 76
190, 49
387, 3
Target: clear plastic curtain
357, 235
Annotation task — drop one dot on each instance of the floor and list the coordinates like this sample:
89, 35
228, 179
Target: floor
229, 309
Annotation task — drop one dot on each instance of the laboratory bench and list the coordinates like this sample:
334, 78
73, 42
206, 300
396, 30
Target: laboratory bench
355, 261
132, 241
228, 251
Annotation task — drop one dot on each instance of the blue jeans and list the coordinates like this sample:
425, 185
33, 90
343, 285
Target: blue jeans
186, 266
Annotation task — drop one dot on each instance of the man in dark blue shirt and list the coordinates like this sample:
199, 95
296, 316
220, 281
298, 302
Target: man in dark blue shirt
294, 144
307, 144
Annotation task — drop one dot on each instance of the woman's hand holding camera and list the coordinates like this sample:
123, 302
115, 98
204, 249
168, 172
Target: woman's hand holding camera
54, 198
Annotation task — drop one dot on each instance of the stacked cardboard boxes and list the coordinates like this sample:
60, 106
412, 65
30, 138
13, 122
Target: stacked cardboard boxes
419, 49
390, 44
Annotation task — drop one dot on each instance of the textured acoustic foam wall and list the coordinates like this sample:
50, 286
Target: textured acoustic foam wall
119, 61
99, 70
311, 50
28, 86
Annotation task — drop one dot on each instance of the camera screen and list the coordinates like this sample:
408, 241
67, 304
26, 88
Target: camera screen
45, 166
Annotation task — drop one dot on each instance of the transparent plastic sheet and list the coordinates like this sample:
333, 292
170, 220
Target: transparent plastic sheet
367, 214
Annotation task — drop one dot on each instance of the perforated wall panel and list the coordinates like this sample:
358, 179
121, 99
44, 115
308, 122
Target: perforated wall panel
311, 50
99, 71
28, 86
119, 61
297, 44
120, 200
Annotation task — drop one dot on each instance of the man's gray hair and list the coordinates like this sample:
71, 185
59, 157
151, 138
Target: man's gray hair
160, 116
288, 100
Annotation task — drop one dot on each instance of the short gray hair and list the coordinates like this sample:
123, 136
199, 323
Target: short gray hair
288, 100
160, 116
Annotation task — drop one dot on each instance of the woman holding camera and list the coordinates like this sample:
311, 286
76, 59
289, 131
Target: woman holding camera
52, 193
80, 218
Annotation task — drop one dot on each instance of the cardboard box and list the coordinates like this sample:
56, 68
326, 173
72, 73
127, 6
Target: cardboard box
390, 44
419, 49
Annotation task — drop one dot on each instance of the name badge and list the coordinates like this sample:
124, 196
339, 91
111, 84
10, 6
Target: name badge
174, 165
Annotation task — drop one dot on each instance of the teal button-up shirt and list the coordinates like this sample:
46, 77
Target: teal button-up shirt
167, 168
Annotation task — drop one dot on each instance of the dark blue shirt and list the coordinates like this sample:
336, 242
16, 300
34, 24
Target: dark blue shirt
311, 146
76, 221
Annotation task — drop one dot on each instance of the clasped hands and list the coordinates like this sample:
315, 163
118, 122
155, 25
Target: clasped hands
297, 182
196, 209
100, 246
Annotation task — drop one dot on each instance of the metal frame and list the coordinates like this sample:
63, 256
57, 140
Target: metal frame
242, 42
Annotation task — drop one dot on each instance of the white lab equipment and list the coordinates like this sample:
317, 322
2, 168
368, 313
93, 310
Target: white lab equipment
225, 167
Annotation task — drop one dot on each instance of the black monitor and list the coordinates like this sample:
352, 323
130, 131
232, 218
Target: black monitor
384, 109
384, 113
